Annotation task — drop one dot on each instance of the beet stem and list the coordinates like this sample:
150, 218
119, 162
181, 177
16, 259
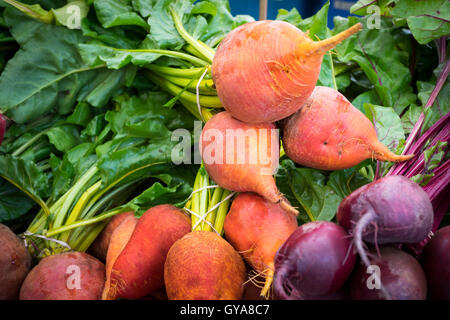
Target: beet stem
2, 127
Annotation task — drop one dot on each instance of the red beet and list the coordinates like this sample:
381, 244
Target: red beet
436, 263
400, 277
15, 263
315, 261
393, 209
65, 276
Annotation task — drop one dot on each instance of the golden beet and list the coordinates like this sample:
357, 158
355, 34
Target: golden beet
265, 70
138, 249
257, 228
203, 266
329, 133
243, 157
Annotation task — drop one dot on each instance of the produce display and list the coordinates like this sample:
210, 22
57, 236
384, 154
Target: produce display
168, 150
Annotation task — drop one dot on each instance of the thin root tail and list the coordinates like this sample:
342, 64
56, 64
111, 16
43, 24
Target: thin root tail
268, 283
327, 44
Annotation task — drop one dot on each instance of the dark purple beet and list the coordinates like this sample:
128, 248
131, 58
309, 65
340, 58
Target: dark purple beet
398, 211
436, 263
314, 262
401, 276
2, 127
393, 209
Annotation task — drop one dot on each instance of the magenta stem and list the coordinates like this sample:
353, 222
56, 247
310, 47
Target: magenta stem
2, 127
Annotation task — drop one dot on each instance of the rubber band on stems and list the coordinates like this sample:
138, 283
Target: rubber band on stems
201, 218
205, 215
28, 233
203, 188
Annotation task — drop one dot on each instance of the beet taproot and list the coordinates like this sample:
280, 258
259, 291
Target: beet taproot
392, 275
329, 133
436, 263
257, 228
203, 266
15, 263
264, 71
392, 209
99, 248
314, 262
138, 250
243, 157
65, 276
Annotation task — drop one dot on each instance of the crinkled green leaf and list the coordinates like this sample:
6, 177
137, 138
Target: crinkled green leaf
117, 37
427, 20
174, 188
434, 155
64, 137
144, 116
95, 126
365, 7
308, 191
26, 176
113, 13
34, 11
387, 123
410, 117
222, 22
370, 97
47, 74
292, 16
115, 58
162, 27
385, 64
81, 115
14, 204
344, 182
441, 105
63, 175
204, 7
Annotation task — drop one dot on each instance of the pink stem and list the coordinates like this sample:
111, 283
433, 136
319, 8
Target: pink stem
418, 126
2, 127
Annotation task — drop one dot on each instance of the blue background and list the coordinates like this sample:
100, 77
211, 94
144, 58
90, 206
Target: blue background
306, 8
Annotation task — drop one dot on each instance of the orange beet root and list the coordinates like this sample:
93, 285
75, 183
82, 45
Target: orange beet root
99, 247
265, 70
247, 166
257, 228
329, 133
138, 250
203, 266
